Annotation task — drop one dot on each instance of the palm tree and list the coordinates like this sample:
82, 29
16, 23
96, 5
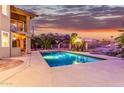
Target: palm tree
120, 40
74, 36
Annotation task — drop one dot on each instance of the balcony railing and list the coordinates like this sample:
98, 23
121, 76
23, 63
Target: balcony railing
16, 28
13, 28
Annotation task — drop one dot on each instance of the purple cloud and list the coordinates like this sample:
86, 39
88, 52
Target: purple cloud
78, 16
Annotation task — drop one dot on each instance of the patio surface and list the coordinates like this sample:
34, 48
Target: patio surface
37, 73
6, 64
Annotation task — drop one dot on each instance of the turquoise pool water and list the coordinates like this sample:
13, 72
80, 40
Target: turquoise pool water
59, 58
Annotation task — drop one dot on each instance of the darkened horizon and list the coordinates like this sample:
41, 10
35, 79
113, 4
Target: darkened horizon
77, 17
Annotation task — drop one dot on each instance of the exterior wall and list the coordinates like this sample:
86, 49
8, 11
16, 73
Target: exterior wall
4, 26
15, 52
4, 52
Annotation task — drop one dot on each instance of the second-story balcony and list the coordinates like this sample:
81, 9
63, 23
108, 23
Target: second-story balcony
17, 26
19, 29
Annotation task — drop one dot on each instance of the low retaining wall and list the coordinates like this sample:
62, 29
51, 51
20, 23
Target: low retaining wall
4, 52
15, 52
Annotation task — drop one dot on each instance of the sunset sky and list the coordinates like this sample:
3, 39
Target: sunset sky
88, 19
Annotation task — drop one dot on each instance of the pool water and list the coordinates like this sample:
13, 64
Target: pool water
59, 58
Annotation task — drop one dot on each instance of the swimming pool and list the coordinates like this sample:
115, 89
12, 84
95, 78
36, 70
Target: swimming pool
60, 58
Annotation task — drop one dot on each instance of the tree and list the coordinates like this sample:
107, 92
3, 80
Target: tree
47, 40
120, 40
35, 42
61, 39
74, 36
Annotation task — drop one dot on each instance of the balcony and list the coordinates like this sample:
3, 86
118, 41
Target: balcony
17, 26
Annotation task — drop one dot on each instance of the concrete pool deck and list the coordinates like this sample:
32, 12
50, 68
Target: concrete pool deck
39, 74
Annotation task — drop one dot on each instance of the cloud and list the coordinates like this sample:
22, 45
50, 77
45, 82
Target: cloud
107, 17
77, 16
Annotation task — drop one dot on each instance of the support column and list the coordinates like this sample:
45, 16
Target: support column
28, 45
21, 43
28, 39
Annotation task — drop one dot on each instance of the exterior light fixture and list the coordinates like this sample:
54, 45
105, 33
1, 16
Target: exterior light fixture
14, 38
14, 24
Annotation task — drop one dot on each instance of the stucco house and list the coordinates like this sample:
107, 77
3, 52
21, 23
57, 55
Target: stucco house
15, 35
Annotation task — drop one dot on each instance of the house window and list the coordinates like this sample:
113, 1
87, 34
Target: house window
5, 39
4, 10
